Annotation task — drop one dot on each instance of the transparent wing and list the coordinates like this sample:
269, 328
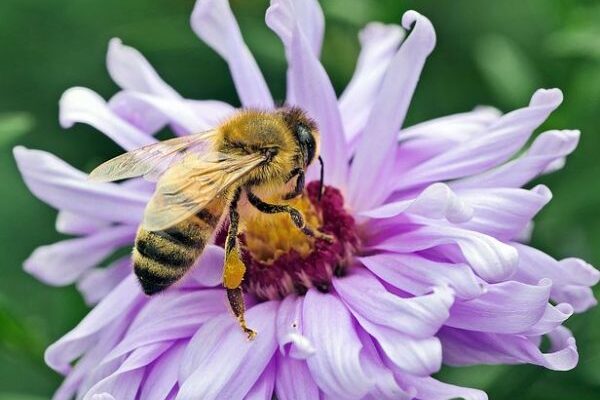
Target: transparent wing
152, 160
191, 184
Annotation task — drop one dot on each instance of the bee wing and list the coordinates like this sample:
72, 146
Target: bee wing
152, 160
188, 186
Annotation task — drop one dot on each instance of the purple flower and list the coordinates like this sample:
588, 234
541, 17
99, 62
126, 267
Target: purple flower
431, 266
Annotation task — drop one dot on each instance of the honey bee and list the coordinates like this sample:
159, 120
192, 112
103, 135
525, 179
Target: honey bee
202, 175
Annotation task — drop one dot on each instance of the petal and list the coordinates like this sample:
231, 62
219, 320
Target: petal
417, 275
507, 307
131, 71
162, 377
379, 43
375, 153
553, 317
86, 106
171, 316
204, 375
336, 365
504, 212
208, 271
71, 346
418, 317
436, 201
548, 149
74, 224
214, 23
571, 277
491, 259
432, 389
263, 388
294, 381
94, 285
290, 330
125, 382
466, 347
282, 14
312, 90
64, 262
505, 137
62, 186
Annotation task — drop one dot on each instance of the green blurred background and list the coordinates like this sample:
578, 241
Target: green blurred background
487, 53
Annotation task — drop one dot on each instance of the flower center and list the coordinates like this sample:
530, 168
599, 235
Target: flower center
281, 260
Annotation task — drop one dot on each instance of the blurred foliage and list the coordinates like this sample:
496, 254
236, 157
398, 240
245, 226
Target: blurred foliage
487, 53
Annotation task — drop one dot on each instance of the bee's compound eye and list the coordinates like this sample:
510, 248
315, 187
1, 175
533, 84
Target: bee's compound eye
306, 139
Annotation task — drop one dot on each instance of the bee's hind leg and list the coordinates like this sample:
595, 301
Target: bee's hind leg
234, 269
295, 215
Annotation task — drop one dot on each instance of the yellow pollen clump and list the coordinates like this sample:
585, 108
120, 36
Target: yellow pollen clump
268, 236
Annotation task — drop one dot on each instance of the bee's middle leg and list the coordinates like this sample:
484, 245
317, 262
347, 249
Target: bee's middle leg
299, 188
295, 215
234, 269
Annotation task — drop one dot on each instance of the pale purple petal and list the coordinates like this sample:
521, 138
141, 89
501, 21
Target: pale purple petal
95, 284
131, 71
71, 223
208, 271
263, 388
463, 347
503, 212
336, 365
506, 307
86, 106
214, 23
548, 149
62, 263
431, 389
162, 377
491, 259
436, 201
282, 14
116, 305
417, 275
580, 298
294, 381
379, 43
63, 187
290, 337
376, 149
203, 373
418, 317
505, 137
312, 90
553, 317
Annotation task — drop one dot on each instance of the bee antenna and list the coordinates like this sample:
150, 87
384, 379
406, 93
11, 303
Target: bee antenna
321, 182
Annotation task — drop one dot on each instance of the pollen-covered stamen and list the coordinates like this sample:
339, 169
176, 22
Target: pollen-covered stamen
282, 260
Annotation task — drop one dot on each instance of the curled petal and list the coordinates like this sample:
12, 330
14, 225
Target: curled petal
84, 105
504, 212
62, 263
203, 373
549, 149
506, 136
436, 201
214, 23
418, 317
312, 90
282, 14
506, 307
379, 43
432, 389
335, 365
290, 335
553, 317
417, 275
463, 347
375, 154
63, 187
491, 259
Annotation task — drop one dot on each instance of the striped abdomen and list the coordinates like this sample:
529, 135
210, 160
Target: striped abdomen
160, 258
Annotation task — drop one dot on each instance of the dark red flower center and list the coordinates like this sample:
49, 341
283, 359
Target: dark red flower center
280, 260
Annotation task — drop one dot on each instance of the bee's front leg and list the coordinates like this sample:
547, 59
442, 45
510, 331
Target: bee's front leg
295, 215
234, 269
299, 188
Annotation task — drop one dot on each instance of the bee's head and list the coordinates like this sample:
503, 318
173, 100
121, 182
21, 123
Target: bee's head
305, 132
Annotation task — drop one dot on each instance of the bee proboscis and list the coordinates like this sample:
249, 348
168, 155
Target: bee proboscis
201, 176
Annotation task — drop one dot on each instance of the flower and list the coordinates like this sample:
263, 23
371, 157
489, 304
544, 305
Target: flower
432, 221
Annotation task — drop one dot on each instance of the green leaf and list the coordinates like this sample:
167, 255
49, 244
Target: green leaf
13, 125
